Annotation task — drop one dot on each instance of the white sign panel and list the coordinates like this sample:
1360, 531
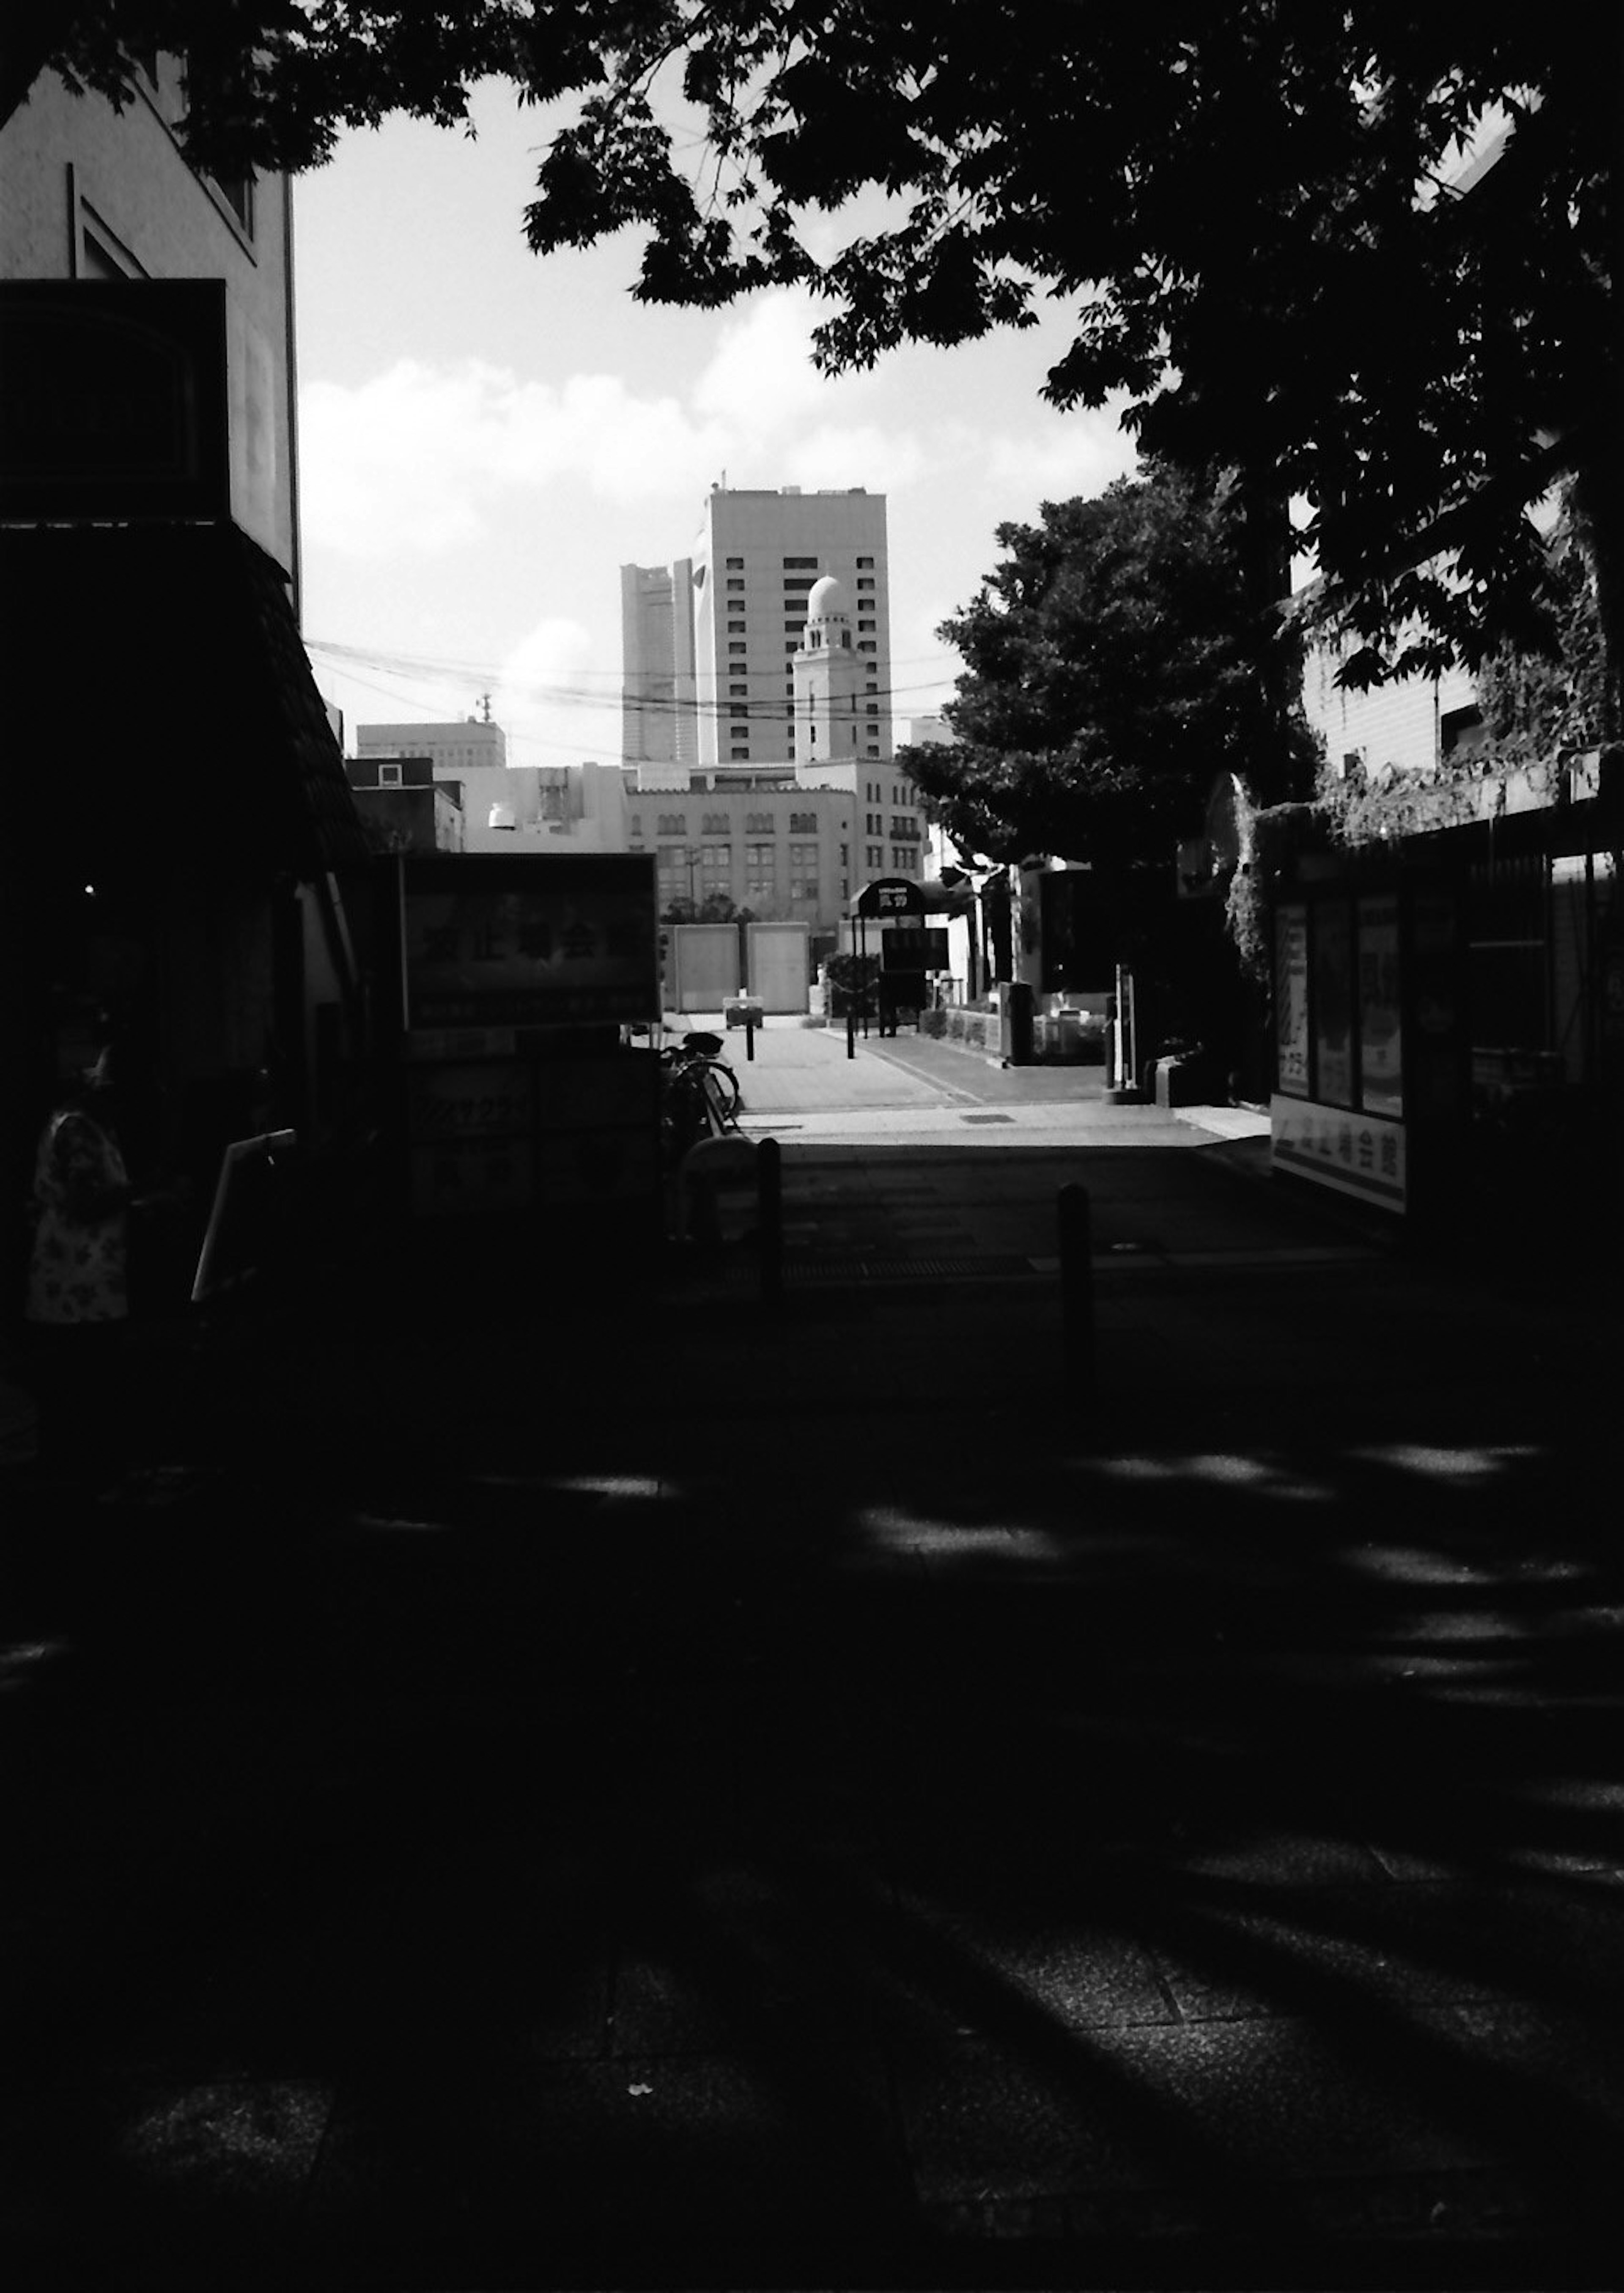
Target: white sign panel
1336, 1147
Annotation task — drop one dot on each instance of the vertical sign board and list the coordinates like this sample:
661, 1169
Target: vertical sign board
1333, 1002
1291, 999
1336, 1114
1380, 1040
515, 971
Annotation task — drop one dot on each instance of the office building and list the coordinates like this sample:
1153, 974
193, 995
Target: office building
451, 748
658, 718
720, 656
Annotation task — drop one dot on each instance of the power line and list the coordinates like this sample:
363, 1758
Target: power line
352, 659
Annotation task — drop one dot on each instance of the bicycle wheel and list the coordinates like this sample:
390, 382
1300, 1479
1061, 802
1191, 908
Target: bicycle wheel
722, 1089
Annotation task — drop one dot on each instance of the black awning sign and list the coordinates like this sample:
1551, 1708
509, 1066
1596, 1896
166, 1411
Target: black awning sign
890, 896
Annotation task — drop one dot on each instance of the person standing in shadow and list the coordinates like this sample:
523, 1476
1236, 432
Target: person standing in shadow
78, 1305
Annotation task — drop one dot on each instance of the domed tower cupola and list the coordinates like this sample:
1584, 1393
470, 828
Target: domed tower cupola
826, 675
828, 618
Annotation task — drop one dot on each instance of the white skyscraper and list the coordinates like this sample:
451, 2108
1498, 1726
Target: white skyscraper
737, 619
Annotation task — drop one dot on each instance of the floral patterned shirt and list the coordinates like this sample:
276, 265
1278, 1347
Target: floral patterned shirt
79, 1271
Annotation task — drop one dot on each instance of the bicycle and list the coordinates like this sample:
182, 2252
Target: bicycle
699, 1093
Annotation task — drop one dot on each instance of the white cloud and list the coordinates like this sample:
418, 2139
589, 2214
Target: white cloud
1081, 454
422, 459
761, 381
556, 709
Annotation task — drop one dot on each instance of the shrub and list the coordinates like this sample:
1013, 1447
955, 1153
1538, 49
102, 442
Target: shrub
933, 1023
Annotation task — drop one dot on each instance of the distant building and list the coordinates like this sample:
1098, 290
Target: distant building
403, 807
502, 807
735, 619
790, 838
451, 747
658, 724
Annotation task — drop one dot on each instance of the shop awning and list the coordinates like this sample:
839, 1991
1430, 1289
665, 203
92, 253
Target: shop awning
163, 712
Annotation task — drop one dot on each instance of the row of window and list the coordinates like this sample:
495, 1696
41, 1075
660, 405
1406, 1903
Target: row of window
720, 823
796, 585
740, 628
904, 861
737, 646
683, 874
790, 564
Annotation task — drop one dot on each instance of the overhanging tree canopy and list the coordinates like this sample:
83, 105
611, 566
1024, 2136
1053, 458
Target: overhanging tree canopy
1115, 667
1249, 208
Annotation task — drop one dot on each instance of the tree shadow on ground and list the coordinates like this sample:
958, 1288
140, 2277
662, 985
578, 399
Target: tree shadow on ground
798, 1845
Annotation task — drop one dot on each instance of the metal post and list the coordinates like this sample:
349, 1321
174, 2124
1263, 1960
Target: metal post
1077, 1285
749, 1035
769, 1219
851, 1026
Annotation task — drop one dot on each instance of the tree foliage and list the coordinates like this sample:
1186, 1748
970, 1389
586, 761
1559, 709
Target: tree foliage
1536, 705
1116, 666
1248, 208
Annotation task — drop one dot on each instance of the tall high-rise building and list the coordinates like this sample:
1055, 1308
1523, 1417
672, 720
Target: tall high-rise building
658, 724
737, 616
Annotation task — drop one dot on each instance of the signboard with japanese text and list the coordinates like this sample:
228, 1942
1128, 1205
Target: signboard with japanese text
1337, 1146
1381, 1062
917, 949
471, 1178
522, 1098
519, 1135
471, 1102
551, 940
889, 895
1291, 999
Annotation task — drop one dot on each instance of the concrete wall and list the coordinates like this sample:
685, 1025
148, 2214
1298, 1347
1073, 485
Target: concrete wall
86, 192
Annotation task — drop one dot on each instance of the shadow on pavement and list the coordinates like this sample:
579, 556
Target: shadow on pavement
566, 1798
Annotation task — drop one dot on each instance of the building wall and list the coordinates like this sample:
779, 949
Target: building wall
785, 853
471, 742
1402, 726
88, 193
404, 807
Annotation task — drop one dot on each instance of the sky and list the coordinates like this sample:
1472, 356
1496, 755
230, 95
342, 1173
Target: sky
486, 436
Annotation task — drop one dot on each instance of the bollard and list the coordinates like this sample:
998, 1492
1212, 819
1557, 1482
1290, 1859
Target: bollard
750, 1036
851, 1031
769, 1219
1077, 1285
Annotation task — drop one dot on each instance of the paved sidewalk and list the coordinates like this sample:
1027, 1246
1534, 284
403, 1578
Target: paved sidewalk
598, 1787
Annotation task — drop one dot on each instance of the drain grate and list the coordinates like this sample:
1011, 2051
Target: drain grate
987, 1118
